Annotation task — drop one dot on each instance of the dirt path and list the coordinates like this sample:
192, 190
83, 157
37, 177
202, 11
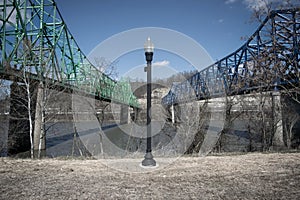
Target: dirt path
251, 176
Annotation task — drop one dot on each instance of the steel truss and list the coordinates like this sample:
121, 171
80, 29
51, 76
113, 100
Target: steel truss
269, 60
35, 39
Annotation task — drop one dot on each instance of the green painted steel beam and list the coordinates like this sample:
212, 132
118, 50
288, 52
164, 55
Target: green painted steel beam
35, 38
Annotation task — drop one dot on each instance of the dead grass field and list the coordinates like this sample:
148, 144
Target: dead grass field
250, 176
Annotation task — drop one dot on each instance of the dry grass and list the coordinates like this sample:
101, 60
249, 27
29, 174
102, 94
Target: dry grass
250, 176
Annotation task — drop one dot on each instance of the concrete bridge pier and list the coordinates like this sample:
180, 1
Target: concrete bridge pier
125, 114
129, 114
19, 123
136, 114
18, 128
278, 141
172, 114
243, 127
39, 137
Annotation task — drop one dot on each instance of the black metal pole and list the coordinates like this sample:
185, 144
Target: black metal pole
149, 88
149, 161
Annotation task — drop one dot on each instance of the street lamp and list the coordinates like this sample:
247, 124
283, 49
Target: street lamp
149, 48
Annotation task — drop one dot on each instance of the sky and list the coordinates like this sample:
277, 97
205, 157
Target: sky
218, 26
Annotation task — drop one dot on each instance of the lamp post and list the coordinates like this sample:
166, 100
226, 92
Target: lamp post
149, 48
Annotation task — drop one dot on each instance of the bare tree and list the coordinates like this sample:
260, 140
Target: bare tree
4, 110
291, 118
197, 117
108, 68
274, 71
233, 111
21, 115
29, 110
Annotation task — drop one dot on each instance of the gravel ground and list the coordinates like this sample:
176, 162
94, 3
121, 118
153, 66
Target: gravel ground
250, 176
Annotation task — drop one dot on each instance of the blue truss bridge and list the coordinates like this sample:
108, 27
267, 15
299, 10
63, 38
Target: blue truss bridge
35, 42
269, 60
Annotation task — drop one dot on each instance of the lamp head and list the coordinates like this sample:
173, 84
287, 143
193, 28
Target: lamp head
148, 46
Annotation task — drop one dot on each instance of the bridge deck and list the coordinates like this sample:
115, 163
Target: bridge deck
35, 41
269, 60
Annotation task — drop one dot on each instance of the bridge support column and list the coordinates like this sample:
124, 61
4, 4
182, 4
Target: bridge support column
18, 130
39, 138
278, 141
136, 115
124, 114
173, 114
3, 133
19, 124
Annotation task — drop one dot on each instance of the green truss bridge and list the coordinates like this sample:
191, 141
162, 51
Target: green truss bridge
36, 42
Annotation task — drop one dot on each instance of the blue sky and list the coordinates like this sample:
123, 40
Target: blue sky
217, 25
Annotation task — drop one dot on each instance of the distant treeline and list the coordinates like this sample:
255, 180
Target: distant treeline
167, 82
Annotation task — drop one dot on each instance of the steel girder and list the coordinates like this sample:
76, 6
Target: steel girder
268, 60
35, 39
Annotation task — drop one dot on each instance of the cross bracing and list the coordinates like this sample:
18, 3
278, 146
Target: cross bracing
268, 60
35, 40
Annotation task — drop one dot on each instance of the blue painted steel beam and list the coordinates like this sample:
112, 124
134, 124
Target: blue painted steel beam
269, 59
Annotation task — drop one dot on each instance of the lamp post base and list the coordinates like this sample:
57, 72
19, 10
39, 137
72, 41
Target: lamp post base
148, 161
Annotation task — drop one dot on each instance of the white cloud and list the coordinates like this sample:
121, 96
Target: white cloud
163, 63
265, 5
221, 20
230, 1
257, 5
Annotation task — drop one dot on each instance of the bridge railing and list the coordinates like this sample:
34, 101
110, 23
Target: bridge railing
268, 60
35, 39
